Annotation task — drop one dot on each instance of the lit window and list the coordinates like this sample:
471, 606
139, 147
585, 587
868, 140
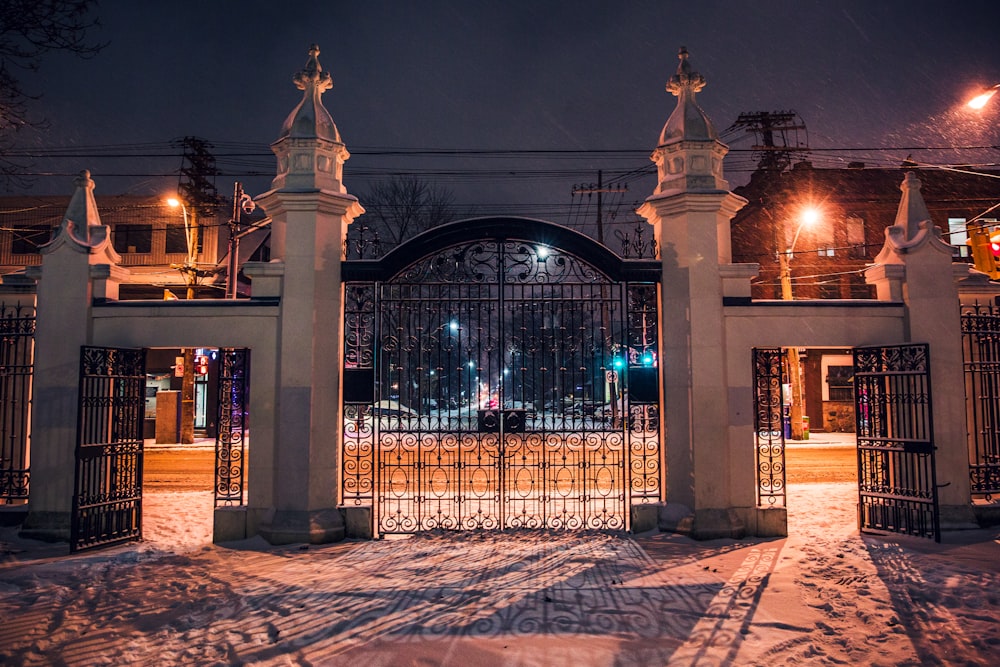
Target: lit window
958, 237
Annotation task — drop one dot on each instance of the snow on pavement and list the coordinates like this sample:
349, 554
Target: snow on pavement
823, 596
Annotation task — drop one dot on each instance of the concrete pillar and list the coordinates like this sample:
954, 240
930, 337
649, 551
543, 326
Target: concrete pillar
916, 264
310, 209
65, 293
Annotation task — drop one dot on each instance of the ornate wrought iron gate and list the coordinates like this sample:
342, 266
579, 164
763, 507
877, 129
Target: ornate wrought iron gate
230, 442
500, 384
981, 350
769, 431
107, 501
17, 337
897, 479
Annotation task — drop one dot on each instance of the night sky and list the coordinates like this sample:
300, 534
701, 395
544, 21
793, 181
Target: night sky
579, 76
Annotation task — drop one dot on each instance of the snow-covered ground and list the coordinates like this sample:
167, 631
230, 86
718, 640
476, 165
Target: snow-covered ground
823, 596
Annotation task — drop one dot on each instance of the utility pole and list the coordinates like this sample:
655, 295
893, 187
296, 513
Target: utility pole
764, 125
242, 202
196, 190
599, 189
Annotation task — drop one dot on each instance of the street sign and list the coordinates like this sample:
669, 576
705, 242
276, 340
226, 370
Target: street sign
611, 376
178, 367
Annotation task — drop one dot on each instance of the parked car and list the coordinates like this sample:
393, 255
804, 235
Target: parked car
390, 408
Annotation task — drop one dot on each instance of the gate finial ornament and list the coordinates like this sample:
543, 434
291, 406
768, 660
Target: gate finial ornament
310, 119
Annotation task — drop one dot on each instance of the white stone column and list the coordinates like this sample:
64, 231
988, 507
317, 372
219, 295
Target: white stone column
915, 266
693, 349
310, 352
79, 251
310, 209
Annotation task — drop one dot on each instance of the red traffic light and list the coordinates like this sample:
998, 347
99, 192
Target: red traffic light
201, 365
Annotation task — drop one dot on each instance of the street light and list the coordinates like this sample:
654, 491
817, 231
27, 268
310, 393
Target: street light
189, 268
809, 217
979, 101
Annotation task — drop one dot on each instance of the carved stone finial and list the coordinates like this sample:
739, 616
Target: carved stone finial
312, 75
685, 78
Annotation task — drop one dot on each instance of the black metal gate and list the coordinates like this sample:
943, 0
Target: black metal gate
501, 384
17, 337
897, 479
231, 439
769, 431
107, 499
981, 351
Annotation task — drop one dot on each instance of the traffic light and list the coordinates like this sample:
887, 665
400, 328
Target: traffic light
201, 365
985, 250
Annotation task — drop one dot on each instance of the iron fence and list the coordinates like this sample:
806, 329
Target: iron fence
17, 337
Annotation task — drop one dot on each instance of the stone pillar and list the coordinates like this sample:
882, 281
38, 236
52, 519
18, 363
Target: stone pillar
915, 264
79, 250
310, 209
693, 350
309, 432
690, 211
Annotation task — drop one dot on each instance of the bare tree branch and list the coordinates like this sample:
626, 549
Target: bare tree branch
29, 29
403, 207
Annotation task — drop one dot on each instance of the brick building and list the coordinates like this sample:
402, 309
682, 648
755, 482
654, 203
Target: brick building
855, 206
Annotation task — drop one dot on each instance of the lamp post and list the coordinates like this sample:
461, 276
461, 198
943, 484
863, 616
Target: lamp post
242, 203
189, 269
979, 101
809, 217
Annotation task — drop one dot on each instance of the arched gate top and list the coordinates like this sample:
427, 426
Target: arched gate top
507, 228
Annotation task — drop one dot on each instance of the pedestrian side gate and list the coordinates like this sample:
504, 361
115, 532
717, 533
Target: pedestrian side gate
107, 498
495, 379
897, 479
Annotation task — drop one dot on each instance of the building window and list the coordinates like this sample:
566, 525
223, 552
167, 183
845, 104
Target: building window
839, 382
133, 238
854, 228
827, 252
25, 240
958, 235
177, 239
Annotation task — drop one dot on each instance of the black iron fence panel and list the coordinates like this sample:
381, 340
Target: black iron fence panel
17, 338
897, 478
107, 501
487, 387
231, 440
769, 431
981, 351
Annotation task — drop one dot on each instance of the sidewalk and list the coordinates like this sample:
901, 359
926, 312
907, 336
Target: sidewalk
199, 443
825, 440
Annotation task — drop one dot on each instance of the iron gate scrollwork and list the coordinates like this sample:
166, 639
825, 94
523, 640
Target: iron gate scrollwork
107, 499
231, 441
17, 336
769, 432
500, 398
981, 352
897, 479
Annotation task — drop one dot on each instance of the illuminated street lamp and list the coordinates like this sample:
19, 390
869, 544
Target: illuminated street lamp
979, 101
809, 217
189, 269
